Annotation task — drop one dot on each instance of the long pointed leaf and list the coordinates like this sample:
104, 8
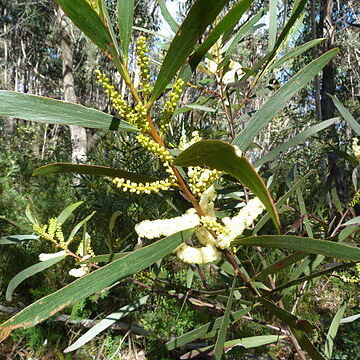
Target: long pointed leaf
96, 170
45, 110
222, 156
167, 16
226, 23
297, 139
247, 343
67, 212
105, 323
219, 345
329, 344
125, 15
201, 14
91, 283
305, 245
280, 98
345, 113
28, 272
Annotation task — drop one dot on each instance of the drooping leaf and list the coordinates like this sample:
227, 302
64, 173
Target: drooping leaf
64, 215
282, 200
15, 239
245, 30
292, 54
280, 265
272, 23
350, 319
167, 16
296, 140
91, 283
303, 244
91, 23
329, 343
28, 272
345, 113
280, 42
225, 24
314, 275
202, 331
106, 323
280, 98
247, 343
96, 170
201, 14
45, 110
222, 156
78, 226
125, 15
220, 340
300, 328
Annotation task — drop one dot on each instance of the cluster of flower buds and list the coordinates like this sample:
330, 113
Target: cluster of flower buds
136, 116
211, 224
145, 188
143, 63
200, 179
171, 104
52, 232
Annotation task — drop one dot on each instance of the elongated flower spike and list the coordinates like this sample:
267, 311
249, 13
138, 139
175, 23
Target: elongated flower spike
143, 63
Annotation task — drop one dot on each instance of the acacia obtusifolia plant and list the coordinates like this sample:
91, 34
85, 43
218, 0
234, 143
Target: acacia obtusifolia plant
200, 236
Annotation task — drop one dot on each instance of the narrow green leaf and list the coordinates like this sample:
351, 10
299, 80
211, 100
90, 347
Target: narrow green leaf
329, 344
350, 319
67, 212
93, 26
303, 212
296, 140
78, 227
345, 113
281, 201
167, 16
45, 110
125, 15
107, 322
245, 30
305, 245
28, 272
222, 156
280, 98
272, 24
15, 239
91, 283
202, 331
247, 343
353, 221
201, 14
96, 170
280, 265
299, 328
314, 275
348, 231
296, 52
220, 341
284, 35
225, 24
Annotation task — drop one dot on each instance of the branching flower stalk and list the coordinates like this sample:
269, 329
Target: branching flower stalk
214, 236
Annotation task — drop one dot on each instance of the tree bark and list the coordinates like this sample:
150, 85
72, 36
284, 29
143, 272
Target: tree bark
77, 133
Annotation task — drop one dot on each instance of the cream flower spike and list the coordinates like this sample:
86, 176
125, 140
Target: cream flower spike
166, 227
44, 257
356, 148
192, 255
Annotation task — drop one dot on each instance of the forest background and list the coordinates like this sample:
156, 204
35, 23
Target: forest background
309, 142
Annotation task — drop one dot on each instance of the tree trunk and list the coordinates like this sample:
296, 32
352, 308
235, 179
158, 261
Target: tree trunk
77, 134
